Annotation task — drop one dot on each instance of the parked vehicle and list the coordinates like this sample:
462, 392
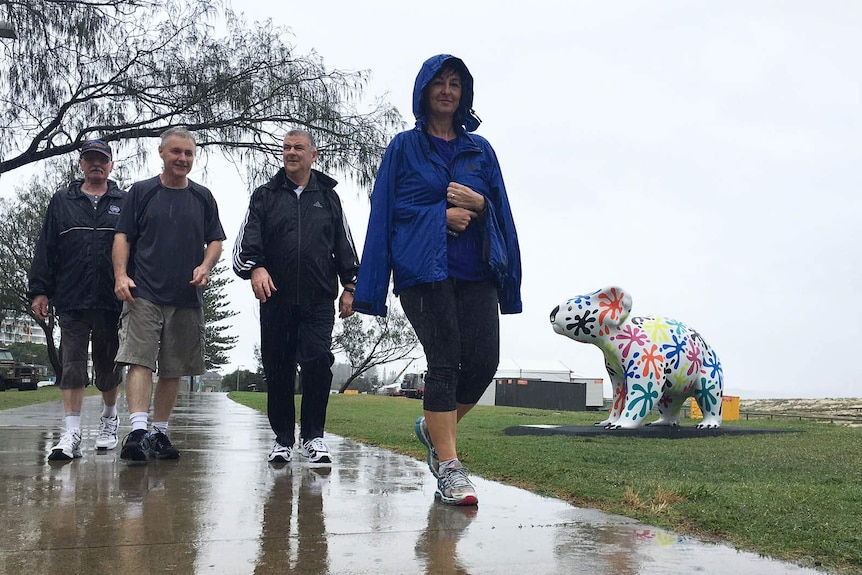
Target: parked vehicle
413, 385
14, 374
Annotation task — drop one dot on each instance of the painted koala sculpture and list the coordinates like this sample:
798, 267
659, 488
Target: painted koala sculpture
650, 360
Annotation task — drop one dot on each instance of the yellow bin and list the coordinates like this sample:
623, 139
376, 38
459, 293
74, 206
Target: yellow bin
729, 408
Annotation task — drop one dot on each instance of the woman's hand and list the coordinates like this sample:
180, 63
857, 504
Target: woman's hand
463, 197
457, 219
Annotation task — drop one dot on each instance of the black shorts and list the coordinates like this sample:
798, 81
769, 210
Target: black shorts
76, 330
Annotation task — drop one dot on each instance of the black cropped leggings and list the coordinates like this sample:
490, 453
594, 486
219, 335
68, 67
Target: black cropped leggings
458, 325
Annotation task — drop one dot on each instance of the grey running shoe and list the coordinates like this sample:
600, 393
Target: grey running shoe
279, 453
136, 447
316, 451
454, 487
161, 447
425, 438
68, 448
108, 427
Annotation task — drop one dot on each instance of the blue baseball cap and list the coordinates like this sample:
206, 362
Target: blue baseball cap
97, 146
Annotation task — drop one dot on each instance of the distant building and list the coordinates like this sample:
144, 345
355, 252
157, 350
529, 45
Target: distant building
210, 381
542, 385
21, 329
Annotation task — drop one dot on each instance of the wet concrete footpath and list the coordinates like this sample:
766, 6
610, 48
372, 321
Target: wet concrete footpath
222, 509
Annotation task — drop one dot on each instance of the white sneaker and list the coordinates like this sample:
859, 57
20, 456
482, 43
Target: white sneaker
107, 438
68, 448
316, 451
279, 453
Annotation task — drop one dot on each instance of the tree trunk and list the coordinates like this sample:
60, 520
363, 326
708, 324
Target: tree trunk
53, 354
347, 383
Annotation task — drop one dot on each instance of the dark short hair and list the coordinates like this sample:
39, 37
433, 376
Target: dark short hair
299, 132
450, 66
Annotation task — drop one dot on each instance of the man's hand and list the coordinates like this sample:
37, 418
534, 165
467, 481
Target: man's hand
261, 284
345, 305
40, 307
200, 276
123, 286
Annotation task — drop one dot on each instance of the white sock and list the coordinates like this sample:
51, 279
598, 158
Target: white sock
444, 465
160, 426
73, 421
109, 410
138, 420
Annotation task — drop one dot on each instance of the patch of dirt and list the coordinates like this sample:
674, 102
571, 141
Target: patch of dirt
847, 411
845, 406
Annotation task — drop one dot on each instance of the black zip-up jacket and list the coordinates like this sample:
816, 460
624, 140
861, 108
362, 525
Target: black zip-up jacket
72, 265
303, 242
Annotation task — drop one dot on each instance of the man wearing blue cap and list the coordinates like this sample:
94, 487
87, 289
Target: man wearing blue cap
72, 270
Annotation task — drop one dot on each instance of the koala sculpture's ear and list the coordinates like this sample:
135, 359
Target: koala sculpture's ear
627, 305
615, 304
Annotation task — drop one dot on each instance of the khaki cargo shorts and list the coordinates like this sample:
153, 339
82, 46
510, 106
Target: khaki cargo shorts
167, 339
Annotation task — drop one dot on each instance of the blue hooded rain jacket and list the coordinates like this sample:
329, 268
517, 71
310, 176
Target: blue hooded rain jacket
406, 235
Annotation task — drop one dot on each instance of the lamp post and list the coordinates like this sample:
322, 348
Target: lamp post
7, 31
238, 369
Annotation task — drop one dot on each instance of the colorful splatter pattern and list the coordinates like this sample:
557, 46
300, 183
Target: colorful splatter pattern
653, 362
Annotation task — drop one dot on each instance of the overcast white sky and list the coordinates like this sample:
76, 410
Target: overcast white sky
703, 155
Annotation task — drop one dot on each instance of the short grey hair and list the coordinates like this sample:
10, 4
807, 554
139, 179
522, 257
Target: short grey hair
178, 131
298, 132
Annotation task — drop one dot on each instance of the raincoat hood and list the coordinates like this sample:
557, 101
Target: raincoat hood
464, 116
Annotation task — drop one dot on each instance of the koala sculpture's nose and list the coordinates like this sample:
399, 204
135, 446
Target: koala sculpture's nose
554, 313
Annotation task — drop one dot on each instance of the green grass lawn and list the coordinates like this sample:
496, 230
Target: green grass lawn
14, 398
792, 496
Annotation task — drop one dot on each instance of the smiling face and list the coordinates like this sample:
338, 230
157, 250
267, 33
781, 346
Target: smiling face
443, 94
96, 167
298, 153
178, 155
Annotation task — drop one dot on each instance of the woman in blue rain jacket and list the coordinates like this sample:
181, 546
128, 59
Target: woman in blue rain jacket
442, 228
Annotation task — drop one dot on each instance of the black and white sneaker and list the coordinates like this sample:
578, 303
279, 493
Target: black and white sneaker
316, 451
68, 448
279, 453
107, 438
161, 447
136, 447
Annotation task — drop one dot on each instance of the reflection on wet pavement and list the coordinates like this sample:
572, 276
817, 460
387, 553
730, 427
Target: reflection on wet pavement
222, 509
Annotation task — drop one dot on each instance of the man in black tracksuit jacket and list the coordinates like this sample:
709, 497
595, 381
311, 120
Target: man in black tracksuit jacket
295, 246
72, 268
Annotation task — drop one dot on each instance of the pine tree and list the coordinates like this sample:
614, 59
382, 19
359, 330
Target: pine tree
216, 310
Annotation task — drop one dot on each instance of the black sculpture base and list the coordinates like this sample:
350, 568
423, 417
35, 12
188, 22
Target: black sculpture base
661, 432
